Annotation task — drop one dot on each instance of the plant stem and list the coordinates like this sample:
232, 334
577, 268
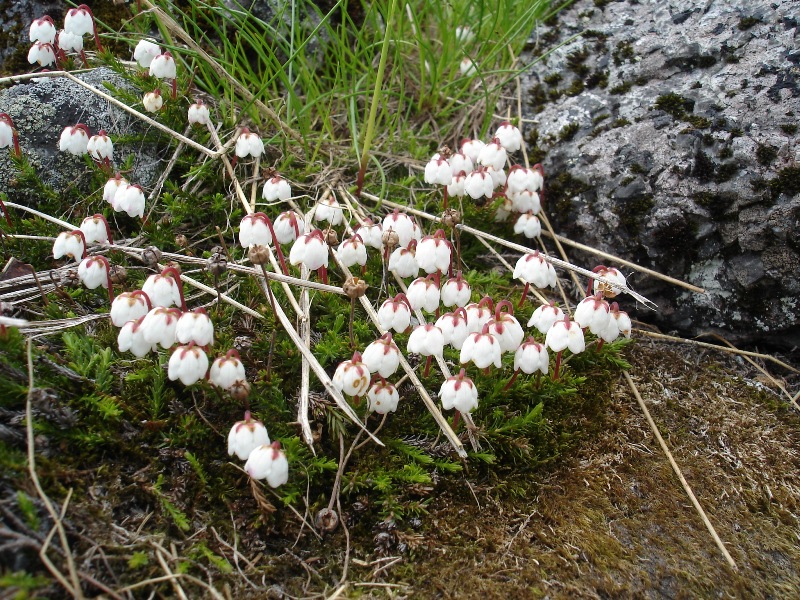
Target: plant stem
373, 109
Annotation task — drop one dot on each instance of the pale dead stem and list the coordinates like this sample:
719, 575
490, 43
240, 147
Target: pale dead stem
678, 472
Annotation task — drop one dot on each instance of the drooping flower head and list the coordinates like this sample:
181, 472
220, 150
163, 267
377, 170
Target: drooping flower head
70, 243
245, 436
189, 364
8, 133
352, 376
227, 371
459, 392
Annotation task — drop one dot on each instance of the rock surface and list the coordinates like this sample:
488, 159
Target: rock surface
669, 132
42, 108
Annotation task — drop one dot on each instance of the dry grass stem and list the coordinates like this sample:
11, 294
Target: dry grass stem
678, 472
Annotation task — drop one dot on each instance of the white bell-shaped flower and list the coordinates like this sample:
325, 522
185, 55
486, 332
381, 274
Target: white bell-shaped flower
493, 155
403, 262
472, 149
159, 326
43, 30
111, 187
248, 144
372, 234
245, 436
382, 356
565, 334
254, 230
352, 251
227, 371
456, 291
479, 184
509, 136
461, 163
395, 313
71, 244
41, 53
93, 272
79, 20
352, 376
70, 42
505, 327
129, 199
198, 113
74, 139
276, 188
96, 229
383, 397
467, 67
454, 327
268, 462
402, 225
144, 53
163, 66
195, 326
482, 348
623, 321
288, 227
434, 253
165, 288
423, 294
438, 171
528, 225
131, 338
593, 313
530, 357
544, 317
152, 101
311, 250
459, 392
498, 177
100, 147
189, 364
8, 133
525, 201
533, 269
479, 313
129, 306
609, 290
521, 178
426, 340
329, 210
456, 187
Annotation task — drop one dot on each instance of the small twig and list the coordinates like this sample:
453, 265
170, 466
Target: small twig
75, 587
678, 472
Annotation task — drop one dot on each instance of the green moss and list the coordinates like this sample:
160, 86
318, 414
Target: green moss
789, 128
623, 53
626, 180
746, 23
568, 131
674, 104
553, 79
561, 189
714, 203
699, 122
597, 79
575, 88
620, 123
537, 97
637, 169
621, 88
786, 182
726, 152
632, 212
765, 154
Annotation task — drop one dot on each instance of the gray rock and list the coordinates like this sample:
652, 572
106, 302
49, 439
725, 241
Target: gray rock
42, 108
694, 170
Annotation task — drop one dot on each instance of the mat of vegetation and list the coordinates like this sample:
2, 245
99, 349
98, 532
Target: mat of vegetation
116, 479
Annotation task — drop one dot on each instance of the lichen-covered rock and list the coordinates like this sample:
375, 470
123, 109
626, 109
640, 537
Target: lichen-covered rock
43, 107
669, 132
